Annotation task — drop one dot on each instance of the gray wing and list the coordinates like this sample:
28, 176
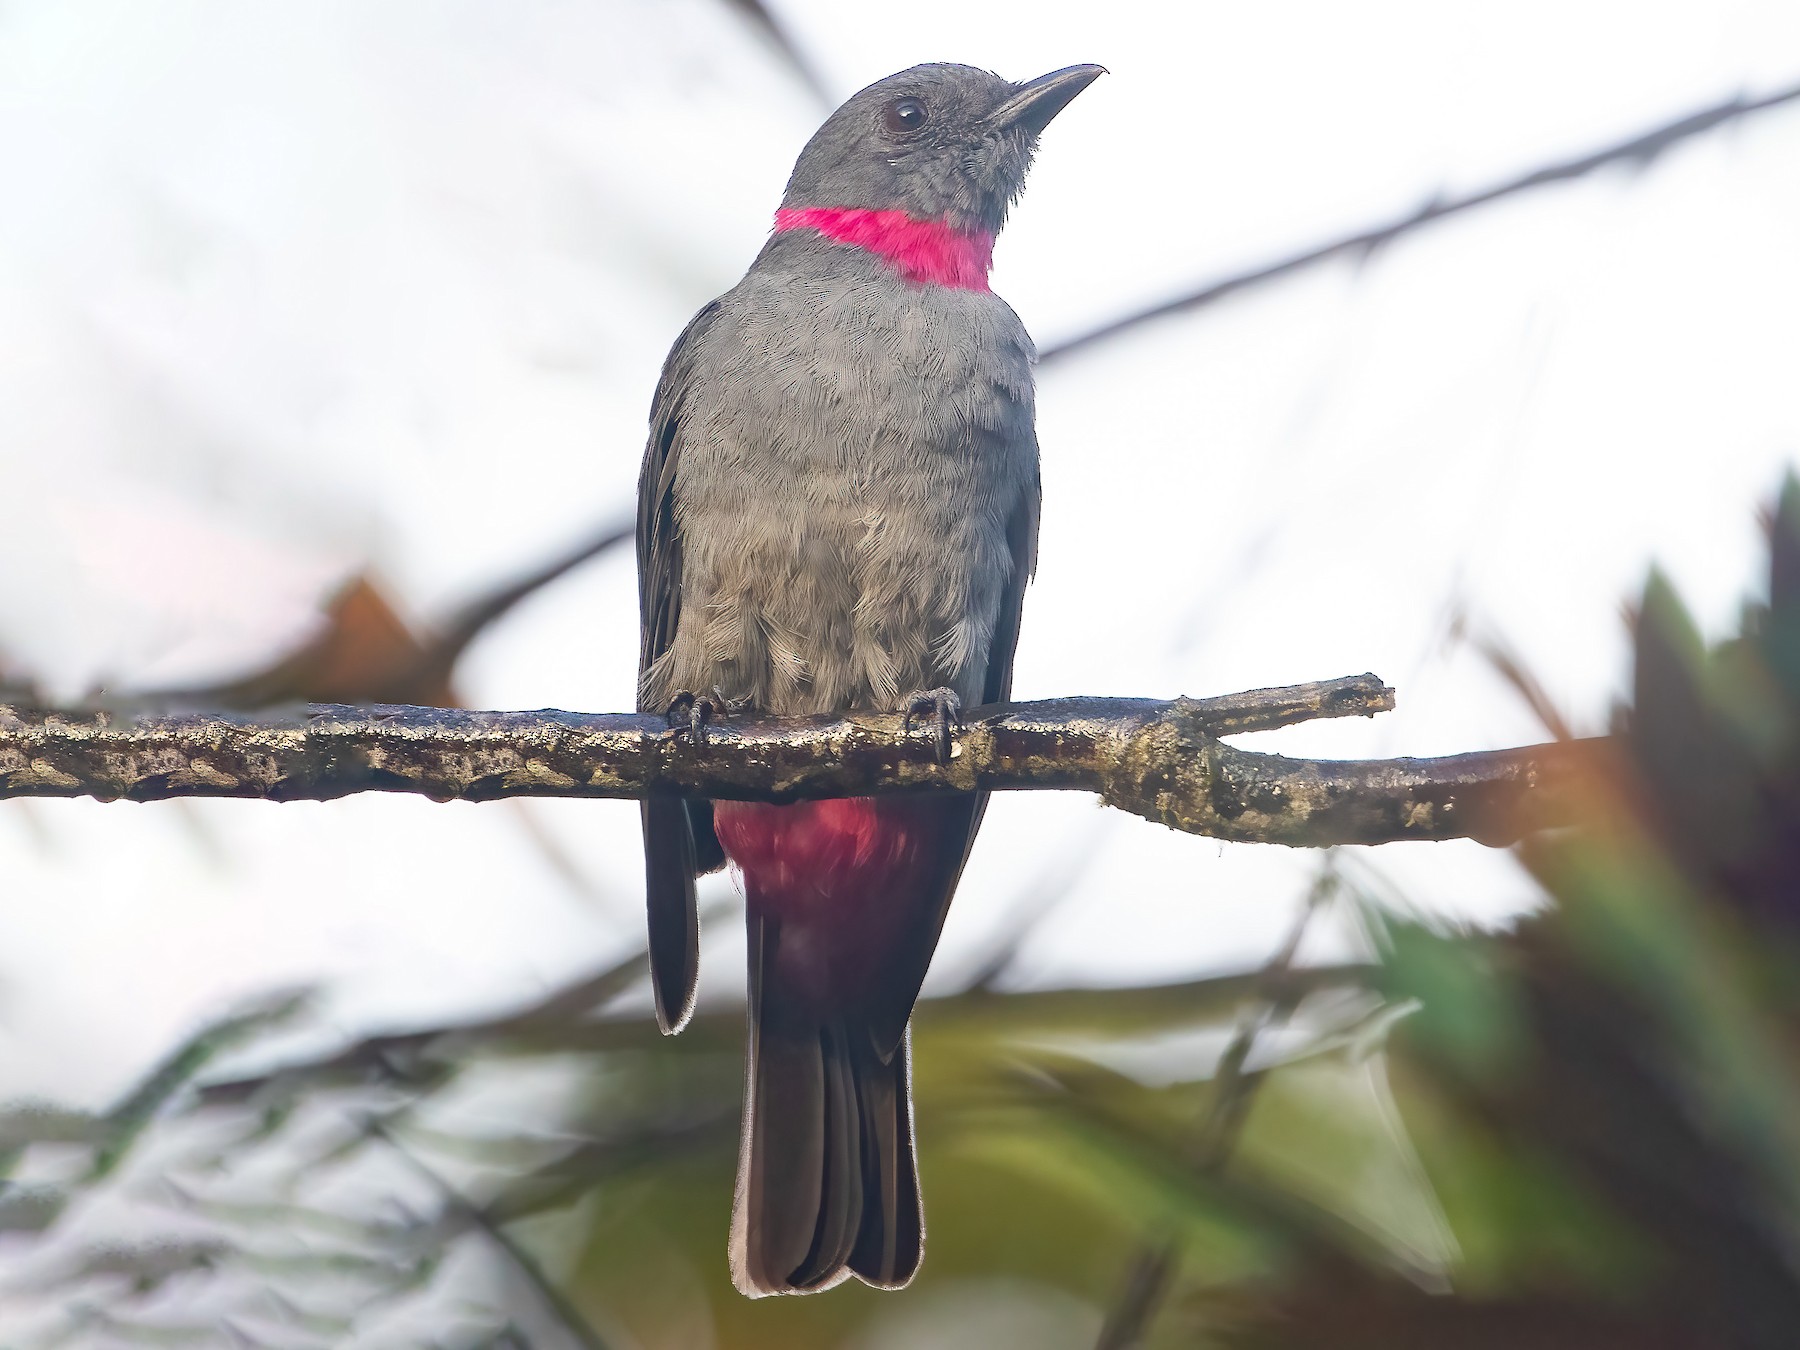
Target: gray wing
679, 843
1021, 539
962, 812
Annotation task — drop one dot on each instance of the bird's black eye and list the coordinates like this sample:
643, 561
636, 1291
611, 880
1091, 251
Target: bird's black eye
905, 116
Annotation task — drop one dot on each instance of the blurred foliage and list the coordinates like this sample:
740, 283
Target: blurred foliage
1606, 1099
1582, 1132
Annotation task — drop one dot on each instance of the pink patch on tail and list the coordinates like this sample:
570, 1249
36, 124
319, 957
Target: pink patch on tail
929, 252
843, 878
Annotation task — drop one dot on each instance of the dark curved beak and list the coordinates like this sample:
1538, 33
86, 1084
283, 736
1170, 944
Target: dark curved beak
1035, 102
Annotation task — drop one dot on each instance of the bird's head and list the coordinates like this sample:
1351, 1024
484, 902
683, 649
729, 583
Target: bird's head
942, 143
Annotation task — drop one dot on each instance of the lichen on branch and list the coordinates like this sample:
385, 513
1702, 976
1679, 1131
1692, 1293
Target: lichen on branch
1163, 760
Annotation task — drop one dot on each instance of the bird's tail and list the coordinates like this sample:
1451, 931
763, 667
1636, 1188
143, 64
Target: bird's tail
827, 1181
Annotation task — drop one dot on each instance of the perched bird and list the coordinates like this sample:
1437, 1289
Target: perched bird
838, 510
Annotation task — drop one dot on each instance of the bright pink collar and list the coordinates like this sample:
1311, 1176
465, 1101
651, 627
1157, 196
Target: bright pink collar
929, 252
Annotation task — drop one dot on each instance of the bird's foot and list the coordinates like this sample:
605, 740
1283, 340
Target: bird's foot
689, 714
942, 709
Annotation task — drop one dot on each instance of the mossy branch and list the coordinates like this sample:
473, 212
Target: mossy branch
1160, 760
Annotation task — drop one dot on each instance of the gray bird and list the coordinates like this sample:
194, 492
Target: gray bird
838, 510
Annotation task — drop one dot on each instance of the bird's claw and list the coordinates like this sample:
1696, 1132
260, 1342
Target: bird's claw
689, 714
944, 709
731, 707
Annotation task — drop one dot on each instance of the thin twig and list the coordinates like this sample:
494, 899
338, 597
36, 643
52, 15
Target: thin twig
1639, 150
555, 1026
762, 18
446, 646
1153, 1266
382, 662
458, 1206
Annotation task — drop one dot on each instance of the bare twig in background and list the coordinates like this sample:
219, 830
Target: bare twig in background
460, 1210
367, 654
422, 1056
1152, 1267
1638, 150
414, 1058
1054, 886
1159, 760
763, 19
1511, 667
446, 647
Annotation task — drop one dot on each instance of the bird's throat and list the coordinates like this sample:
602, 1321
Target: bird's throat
926, 252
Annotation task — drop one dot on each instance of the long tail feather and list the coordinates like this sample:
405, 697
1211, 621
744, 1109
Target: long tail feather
673, 855
827, 1181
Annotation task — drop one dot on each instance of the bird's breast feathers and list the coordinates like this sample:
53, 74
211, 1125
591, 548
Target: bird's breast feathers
849, 464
